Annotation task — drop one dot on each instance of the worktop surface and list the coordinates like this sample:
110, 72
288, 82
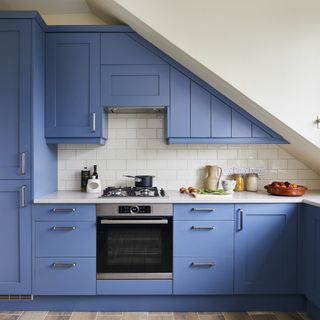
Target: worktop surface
311, 197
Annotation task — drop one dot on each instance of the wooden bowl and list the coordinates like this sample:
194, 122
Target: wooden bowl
292, 192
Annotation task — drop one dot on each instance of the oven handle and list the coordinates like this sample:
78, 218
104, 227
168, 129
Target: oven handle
160, 221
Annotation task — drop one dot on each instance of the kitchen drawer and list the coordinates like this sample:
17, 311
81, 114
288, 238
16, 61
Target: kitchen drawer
134, 287
203, 238
64, 212
203, 211
191, 277
63, 239
70, 276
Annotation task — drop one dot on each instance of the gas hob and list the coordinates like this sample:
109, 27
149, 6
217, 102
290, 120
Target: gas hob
150, 192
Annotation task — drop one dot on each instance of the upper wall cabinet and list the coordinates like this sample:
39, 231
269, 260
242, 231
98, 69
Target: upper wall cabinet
73, 110
198, 116
131, 75
15, 98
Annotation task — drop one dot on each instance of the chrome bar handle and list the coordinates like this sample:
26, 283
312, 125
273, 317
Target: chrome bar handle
71, 210
203, 228
160, 221
23, 163
23, 196
55, 228
203, 209
93, 118
240, 220
203, 264
63, 265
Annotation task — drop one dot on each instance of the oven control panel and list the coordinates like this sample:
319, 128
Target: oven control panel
135, 209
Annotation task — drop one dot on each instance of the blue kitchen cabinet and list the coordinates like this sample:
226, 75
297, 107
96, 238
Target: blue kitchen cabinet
134, 85
203, 243
73, 110
64, 249
311, 253
15, 98
266, 245
15, 237
198, 114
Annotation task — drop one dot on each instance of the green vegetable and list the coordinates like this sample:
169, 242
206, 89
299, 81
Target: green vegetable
216, 192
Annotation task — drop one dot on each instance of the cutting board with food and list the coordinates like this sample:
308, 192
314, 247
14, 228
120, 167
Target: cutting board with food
204, 193
279, 188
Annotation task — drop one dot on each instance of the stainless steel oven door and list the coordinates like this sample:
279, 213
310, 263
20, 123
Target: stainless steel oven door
134, 248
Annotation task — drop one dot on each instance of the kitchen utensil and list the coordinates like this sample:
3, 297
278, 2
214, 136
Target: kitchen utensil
228, 185
288, 192
94, 185
213, 178
142, 181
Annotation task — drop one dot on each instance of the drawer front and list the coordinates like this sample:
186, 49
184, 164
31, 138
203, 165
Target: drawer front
65, 276
203, 211
64, 239
125, 287
203, 238
64, 212
193, 276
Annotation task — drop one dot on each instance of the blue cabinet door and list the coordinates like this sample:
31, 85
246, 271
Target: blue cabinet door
134, 85
73, 86
311, 253
15, 237
200, 112
266, 249
15, 64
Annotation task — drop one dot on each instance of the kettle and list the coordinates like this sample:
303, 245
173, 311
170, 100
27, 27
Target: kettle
213, 179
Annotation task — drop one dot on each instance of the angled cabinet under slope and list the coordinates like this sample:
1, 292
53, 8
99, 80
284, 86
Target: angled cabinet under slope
131, 75
15, 237
311, 253
73, 110
198, 116
266, 245
15, 98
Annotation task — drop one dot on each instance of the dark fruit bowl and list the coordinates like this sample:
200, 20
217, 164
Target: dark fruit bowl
288, 192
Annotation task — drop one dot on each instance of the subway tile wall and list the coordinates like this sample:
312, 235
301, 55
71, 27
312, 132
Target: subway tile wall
136, 145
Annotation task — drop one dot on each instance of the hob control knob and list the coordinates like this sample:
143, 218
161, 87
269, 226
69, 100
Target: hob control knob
134, 209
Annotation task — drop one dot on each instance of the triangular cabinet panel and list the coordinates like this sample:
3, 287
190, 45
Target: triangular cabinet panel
119, 48
198, 113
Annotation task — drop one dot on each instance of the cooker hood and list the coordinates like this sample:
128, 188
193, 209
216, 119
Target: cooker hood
135, 109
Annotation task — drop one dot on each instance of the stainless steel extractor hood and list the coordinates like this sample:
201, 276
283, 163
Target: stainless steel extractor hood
137, 109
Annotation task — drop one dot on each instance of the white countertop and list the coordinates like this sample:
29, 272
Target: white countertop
311, 197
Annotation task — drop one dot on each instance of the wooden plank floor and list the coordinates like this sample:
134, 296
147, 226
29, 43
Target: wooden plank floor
50, 315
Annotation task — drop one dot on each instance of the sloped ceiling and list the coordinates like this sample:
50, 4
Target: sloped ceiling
264, 55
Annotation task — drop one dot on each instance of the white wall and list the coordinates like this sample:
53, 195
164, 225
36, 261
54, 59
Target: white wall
136, 145
263, 54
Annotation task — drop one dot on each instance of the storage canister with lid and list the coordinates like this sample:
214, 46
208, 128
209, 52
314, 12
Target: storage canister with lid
252, 182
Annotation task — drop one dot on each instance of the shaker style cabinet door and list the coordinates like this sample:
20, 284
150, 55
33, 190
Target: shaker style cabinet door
15, 63
73, 85
311, 253
15, 237
266, 245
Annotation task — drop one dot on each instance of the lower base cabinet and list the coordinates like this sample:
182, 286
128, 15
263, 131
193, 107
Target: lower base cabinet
15, 237
65, 276
64, 249
266, 249
208, 275
311, 253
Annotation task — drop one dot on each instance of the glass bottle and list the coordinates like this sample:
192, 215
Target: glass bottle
239, 178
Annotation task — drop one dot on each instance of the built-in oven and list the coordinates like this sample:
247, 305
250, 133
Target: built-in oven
134, 241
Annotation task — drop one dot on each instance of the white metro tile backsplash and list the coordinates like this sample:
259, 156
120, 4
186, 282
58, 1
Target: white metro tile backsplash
136, 145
